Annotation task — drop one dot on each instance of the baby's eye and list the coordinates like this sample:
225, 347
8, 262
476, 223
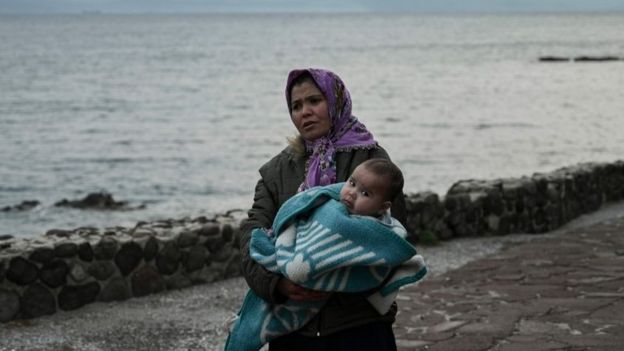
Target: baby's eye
364, 193
351, 182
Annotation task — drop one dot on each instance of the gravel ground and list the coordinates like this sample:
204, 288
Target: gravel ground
195, 318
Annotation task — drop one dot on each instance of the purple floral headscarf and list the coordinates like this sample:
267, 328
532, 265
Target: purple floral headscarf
346, 131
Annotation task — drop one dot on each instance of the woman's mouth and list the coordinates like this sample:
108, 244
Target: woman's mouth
308, 125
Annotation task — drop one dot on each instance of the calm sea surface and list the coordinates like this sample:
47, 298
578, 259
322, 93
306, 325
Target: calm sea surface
178, 112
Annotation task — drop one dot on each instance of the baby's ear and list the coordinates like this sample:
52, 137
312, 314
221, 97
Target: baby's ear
386, 206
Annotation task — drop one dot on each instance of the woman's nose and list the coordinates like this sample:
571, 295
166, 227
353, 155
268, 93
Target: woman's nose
306, 109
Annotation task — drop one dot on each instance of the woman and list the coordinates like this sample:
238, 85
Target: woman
331, 143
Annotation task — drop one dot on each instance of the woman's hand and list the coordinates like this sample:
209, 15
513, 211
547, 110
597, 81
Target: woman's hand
296, 292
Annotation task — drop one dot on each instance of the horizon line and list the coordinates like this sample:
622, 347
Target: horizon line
320, 12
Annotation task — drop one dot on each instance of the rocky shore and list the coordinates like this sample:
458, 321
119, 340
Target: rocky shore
195, 318
68, 269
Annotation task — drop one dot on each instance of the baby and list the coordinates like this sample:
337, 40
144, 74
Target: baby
335, 238
372, 186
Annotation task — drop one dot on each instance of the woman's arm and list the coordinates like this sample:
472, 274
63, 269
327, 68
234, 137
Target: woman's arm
271, 287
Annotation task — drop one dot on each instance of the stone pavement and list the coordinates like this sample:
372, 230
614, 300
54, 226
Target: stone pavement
563, 292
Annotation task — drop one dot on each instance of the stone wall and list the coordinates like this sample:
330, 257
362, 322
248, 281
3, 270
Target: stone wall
67, 269
535, 204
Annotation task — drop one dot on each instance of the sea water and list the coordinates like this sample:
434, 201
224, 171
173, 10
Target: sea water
177, 112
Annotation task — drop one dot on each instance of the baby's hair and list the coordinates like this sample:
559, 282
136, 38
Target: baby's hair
385, 168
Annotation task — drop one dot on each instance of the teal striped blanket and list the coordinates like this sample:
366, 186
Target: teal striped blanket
317, 244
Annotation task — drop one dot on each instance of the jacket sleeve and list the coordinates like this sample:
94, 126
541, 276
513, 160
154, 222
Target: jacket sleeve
260, 280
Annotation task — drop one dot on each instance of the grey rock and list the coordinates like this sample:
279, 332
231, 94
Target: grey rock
146, 280
23, 206
210, 229
116, 289
227, 232
54, 274
222, 254
105, 249
214, 244
101, 270
196, 258
73, 297
9, 305
178, 281
151, 249
187, 239
206, 275
233, 268
42, 255
37, 301
21, 271
168, 259
85, 252
442, 230
77, 272
139, 232
493, 204
65, 250
128, 257
99, 201
60, 233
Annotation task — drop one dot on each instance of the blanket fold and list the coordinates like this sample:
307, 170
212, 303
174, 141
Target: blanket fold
317, 244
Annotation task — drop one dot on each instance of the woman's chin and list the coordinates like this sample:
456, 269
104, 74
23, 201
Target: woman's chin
312, 135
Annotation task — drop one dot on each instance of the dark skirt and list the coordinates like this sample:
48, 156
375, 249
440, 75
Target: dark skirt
373, 337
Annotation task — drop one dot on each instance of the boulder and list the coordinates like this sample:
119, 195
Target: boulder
128, 257
115, 290
54, 274
42, 255
97, 201
195, 258
9, 305
85, 252
65, 250
21, 271
168, 259
105, 249
73, 297
151, 249
23, 206
101, 270
146, 280
37, 301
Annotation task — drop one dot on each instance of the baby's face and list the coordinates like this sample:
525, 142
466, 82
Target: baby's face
364, 193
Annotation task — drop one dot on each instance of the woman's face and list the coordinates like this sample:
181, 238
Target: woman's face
309, 111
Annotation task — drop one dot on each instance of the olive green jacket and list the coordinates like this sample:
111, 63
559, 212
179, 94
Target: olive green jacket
280, 179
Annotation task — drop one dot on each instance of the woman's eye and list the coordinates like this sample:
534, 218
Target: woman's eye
296, 107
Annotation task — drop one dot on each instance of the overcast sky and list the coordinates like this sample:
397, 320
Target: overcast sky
198, 6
